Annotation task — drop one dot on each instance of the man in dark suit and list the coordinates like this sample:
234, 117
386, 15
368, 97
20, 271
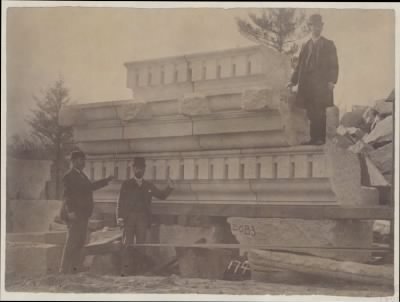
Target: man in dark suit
76, 210
316, 74
134, 208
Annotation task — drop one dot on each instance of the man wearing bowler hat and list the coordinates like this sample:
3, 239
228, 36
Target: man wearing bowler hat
134, 208
76, 210
316, 74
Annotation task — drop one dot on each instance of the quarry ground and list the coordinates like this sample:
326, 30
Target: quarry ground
94, 283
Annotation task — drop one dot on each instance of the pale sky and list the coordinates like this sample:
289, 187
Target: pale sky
88, 47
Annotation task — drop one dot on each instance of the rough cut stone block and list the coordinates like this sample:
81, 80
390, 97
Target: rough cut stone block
26, 179
382, 132
134, 111
194, 104
332, 121
294, 119
33, 215
383, 159
349, 271
306, 233
32, 258
345, 176
260, 99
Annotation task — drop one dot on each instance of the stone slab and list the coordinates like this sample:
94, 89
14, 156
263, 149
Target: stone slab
349, 271
307, 233
57, 238
32, 258
33, 215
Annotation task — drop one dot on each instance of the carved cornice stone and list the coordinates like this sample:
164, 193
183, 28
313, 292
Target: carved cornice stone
260, 99
194, 104
135, 111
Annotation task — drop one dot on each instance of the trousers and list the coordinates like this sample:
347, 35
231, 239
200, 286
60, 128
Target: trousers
73, 253
314, 97
135, 230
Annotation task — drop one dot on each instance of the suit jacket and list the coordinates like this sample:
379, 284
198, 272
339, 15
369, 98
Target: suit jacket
78, 194
326, 69
135, 198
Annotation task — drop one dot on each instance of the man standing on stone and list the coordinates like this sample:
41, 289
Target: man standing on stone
76, 210
134, 208
316, 74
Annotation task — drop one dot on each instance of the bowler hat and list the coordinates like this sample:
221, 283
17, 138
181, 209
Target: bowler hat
77, 154
139, 161
315, 19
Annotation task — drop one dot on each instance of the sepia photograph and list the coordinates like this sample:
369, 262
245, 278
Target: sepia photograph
184, 151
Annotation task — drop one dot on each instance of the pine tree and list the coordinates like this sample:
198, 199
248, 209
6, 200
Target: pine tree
278, 28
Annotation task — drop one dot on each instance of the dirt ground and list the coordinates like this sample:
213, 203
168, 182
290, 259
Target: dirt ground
94, 283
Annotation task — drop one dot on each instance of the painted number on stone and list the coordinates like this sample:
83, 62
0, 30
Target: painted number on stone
245, 229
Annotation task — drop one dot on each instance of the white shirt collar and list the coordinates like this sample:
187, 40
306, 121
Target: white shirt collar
315, 39
139, 181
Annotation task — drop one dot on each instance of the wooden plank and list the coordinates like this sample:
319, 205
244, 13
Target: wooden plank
250, 209
255, 246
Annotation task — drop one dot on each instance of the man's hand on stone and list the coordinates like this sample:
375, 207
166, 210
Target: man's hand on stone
331, 86
120, 222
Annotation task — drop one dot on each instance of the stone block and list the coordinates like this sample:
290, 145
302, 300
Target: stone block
194, 104
240, 123
32, 258
332, 121
26, 179
260, 99
135, 111
306, 233
295, 121
384, 107
383, 160
33, 215
382, 132
344, 171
